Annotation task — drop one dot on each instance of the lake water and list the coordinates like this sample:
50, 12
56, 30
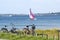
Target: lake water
20, 21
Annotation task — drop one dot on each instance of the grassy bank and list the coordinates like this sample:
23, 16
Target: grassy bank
52, 34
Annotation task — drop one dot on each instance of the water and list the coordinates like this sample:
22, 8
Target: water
20, 21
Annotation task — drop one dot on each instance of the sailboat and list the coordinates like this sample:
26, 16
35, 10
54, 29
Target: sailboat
31, 15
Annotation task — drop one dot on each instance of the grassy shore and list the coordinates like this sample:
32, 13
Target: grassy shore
52, 34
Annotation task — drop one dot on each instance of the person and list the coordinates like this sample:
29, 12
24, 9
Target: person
4, 29
13, 29
5, 26
27, 27
33, 29
28, 31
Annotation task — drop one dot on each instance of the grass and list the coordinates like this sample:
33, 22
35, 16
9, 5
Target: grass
12, 36
17, 37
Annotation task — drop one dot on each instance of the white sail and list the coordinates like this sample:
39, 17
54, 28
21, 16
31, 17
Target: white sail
31, 15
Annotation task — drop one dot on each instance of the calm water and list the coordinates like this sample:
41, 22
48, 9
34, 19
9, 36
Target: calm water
20, 21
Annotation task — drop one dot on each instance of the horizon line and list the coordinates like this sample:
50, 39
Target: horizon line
27, 14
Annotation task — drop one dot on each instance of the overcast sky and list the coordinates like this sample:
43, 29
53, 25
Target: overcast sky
23, 6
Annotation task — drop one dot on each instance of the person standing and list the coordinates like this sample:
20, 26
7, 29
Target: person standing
33, 29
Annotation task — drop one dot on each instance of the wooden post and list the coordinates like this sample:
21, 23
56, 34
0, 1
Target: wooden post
58, 34
54, 37
47, 36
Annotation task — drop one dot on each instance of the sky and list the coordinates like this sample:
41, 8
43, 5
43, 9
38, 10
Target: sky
23, 6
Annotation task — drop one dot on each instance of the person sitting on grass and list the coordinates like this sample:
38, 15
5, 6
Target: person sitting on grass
28, 31
4, 29
13, 29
